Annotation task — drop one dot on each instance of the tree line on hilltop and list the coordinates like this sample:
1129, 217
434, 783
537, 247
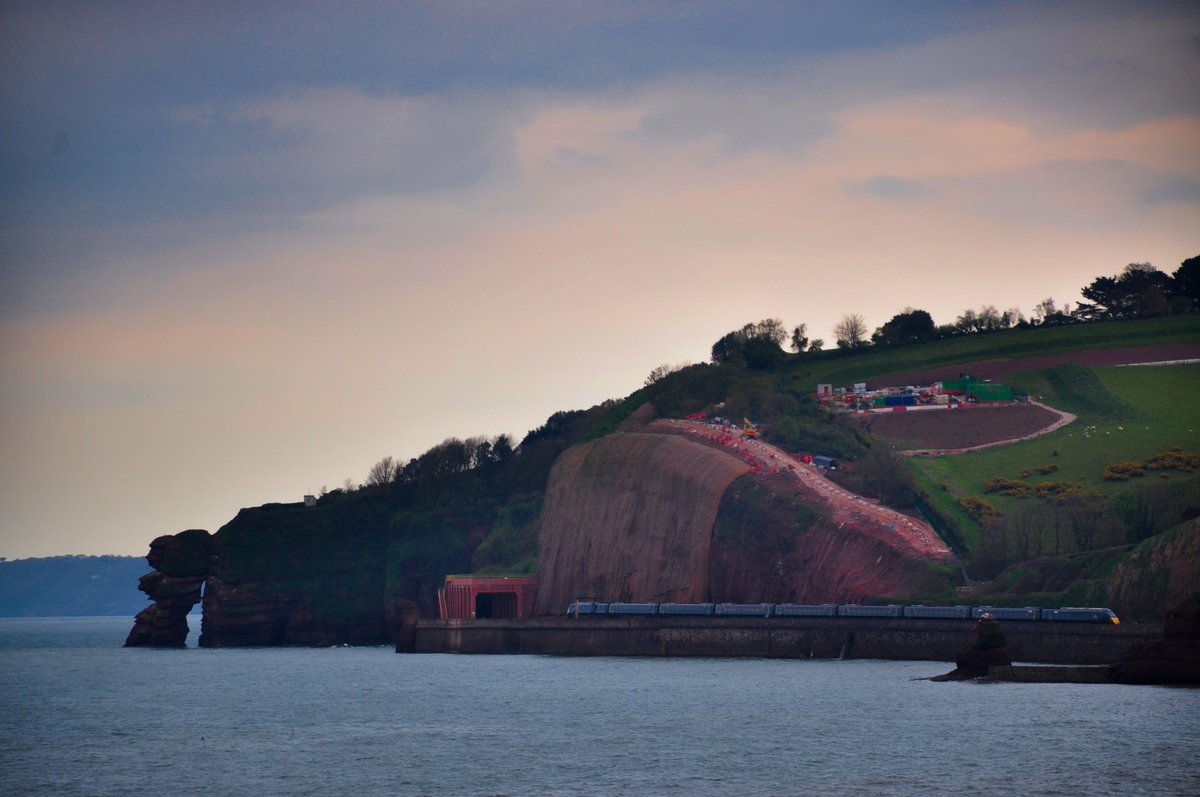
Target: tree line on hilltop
1138, 291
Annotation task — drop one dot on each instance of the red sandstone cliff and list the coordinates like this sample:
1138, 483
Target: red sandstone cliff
630, 517
660, 517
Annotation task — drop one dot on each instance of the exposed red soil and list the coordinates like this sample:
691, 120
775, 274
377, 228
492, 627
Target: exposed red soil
959, 428
997, 369
903, 533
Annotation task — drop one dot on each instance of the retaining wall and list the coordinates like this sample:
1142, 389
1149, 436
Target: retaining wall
917, 640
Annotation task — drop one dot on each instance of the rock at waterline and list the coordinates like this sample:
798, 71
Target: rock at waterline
988, 648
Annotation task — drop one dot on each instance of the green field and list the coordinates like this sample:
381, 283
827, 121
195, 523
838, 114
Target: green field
841, 369
1136, 411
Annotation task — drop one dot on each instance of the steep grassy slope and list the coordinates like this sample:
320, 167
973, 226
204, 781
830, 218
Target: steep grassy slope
1138, 584
1137, 412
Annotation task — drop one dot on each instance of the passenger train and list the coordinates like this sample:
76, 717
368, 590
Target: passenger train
1029, 613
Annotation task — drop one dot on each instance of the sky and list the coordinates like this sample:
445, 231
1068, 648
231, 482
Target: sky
249, 249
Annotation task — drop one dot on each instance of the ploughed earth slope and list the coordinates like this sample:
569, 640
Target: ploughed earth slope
667, 516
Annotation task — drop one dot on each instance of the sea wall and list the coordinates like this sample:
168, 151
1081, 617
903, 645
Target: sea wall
915, 640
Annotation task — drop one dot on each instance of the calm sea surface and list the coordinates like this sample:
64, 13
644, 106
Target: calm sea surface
81, 715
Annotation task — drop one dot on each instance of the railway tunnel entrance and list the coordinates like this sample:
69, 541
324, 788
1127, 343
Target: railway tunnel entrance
472, 597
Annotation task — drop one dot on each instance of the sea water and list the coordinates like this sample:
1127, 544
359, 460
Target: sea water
79, 714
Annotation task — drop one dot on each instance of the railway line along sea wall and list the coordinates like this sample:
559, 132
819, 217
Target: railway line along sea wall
777, 637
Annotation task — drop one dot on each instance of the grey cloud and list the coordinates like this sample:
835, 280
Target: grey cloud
1076, 195
889, 186
572, 155
1171, 189
744, 118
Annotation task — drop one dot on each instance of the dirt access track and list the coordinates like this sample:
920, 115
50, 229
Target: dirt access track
844, 506
970, 427
973, 428
998, 369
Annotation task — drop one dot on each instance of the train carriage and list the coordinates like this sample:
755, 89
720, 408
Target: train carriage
744, 609
860, 610
686, 609
806, 610
938, 612
1008, 612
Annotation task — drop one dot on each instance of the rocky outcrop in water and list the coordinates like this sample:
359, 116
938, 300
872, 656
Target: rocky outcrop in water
180, 563
988, 648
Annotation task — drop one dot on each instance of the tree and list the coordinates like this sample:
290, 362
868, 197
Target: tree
1047, 313
816, 344
1043, 310
850, 331
1140, 291
885, 473
989, 318
1186, 281
382, 472
800, 338
985, 319
771, 329
906, 327
754, 345
662, 372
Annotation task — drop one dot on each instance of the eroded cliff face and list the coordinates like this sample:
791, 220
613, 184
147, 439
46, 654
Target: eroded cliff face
629, 517
1161, 573
774, 543
658, 517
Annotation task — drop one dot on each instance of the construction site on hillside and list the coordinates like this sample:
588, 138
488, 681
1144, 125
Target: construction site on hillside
966, 391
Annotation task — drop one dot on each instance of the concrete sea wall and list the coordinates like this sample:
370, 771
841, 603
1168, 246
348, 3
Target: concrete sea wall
917, 640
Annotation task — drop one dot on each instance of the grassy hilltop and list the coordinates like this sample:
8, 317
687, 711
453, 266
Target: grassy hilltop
1125, 415
1121, 474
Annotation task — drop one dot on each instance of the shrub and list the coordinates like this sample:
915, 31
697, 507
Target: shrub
978, 509
1123, 471
1048, 490
1004, 486
1174, 460
1047, 469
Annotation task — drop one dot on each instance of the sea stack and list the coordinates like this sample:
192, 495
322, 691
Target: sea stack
180, 563
988, 648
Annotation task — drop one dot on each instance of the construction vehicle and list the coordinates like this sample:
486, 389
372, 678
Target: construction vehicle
748, 428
